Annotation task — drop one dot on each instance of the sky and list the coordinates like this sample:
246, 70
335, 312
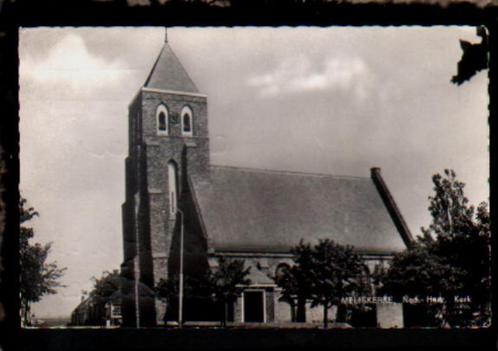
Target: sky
322, 100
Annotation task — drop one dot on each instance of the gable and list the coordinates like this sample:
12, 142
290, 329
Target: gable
246, 210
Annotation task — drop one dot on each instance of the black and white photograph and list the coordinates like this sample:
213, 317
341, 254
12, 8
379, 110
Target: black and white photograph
254, 177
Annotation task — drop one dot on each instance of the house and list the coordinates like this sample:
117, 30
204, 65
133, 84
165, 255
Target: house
250, 214
92, 311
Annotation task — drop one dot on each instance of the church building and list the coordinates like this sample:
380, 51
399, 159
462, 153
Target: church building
251, 214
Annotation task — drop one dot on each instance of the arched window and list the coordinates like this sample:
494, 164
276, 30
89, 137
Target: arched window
187, 121
281, 269
162, 120
172, 188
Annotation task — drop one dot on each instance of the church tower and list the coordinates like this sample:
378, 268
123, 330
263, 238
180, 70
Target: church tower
168, 129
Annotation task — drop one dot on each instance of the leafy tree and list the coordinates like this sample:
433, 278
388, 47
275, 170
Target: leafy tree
287, 279
462, 238
417, 272
474, 58
336, 273
226, 282
168, 290
295, 281
37, 276
324, 273
221, 285
420, 274
451, 258
107, 287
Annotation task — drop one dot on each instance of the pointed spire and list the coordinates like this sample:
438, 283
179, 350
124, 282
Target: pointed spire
168, 73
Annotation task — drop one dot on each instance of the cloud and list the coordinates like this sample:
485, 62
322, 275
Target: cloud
69, 70
299, 74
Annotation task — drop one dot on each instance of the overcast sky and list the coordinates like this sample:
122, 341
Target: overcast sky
327, 100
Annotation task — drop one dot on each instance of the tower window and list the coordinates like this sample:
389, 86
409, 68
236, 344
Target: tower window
187, 125
162, 120
187, 128
172, 184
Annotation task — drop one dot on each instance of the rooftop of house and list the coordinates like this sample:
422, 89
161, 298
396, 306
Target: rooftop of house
250, 210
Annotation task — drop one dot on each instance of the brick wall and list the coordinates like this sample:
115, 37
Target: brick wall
159, 226
174, 104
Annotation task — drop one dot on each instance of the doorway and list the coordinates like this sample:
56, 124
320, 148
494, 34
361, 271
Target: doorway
254, 306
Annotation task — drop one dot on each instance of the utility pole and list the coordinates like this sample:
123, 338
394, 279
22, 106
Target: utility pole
136, 263
180, 297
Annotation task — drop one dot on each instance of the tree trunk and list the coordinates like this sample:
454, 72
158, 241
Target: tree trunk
293, 311
221, 304
325, 315
225, 314
301, 309
26, 313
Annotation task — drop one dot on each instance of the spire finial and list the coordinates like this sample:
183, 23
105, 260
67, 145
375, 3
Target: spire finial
165, 34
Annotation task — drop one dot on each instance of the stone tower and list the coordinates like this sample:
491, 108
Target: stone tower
168, 138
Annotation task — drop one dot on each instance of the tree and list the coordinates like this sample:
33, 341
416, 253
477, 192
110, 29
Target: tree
462, 238
106, 287
287, 279
295, 281
168, 291
324, 273
226, 282
220, 285
419, 274
337, 273
37, 276
474, 58
451, 258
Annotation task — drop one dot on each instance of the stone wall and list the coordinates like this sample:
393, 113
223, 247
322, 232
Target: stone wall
390, 315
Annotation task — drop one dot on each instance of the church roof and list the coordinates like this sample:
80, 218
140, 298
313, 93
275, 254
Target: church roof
248, 210
169, 74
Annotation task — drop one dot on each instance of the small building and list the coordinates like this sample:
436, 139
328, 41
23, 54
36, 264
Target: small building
93, 311
250, 214
85, 313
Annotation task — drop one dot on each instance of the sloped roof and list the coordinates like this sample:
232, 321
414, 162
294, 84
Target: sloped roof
257, 277
169, 74
247, 210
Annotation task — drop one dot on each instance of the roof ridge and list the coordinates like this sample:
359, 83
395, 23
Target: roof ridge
287, 172
153, 67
